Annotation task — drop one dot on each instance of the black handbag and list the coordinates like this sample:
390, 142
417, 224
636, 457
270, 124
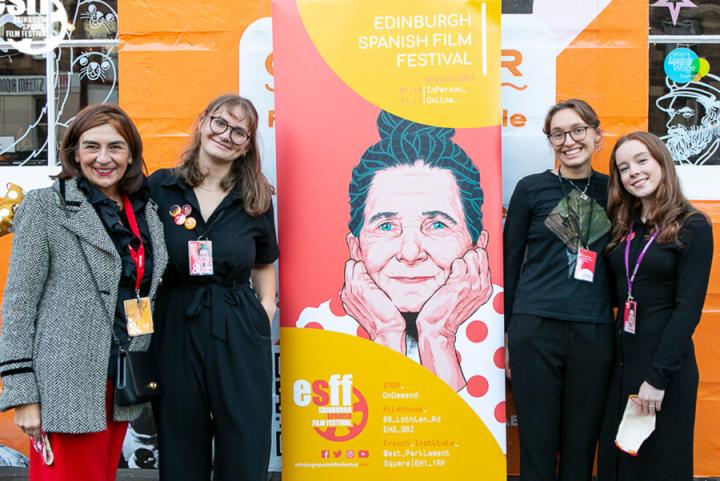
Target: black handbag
136, 379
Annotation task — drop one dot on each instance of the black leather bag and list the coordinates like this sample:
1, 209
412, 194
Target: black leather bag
136, 379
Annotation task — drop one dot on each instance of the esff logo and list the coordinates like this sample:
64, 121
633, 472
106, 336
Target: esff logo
342, 411
30, 19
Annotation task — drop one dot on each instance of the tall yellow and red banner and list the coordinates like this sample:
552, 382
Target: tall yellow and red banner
389, 200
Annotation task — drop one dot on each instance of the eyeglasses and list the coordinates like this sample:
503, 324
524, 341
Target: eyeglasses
238, 135
577, 133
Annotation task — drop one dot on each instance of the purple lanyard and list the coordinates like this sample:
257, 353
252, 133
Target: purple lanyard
631, 279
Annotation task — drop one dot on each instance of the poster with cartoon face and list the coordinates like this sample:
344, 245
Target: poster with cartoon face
691, 130
389, 209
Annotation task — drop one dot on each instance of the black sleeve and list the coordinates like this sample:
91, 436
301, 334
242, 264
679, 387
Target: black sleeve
266, 248
612, 283
692, 284
517, 223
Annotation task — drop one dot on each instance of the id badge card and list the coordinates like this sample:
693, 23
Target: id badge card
630, 317
585, 265
139, 316
200, 257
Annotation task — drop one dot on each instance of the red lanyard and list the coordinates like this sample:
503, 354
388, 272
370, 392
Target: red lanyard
138, 256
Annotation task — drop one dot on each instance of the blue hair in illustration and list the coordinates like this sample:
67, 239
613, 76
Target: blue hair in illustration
403, 142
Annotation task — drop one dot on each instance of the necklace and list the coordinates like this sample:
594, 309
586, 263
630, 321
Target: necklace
583, 192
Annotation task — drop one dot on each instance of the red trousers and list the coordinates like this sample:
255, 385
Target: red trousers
83, 457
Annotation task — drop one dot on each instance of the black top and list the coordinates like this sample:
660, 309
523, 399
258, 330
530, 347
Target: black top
540, 244
239, 241
669, 289
118, 228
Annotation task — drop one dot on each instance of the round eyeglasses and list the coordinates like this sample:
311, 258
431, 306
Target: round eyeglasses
238, 135
577, 133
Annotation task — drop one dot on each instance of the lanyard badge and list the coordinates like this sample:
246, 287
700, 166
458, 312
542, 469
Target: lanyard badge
138, 311
585, 265
200, 257
630, 313
630, 316
586, 258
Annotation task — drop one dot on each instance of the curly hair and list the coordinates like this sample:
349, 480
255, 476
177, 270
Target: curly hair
403, 142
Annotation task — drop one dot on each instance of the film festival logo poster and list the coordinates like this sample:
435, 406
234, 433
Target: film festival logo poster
389, 191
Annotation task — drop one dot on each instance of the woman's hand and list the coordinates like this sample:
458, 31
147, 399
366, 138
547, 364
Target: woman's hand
468, 287
264, 279
270, 309
649, 398
365, 302
27, 418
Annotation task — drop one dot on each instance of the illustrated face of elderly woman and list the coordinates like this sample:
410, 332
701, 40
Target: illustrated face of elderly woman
103, 156
414, 230
418, 265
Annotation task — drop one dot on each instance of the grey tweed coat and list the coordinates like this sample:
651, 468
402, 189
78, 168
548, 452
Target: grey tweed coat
56, 337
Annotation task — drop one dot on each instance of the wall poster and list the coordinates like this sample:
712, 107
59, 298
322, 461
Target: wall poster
389, 201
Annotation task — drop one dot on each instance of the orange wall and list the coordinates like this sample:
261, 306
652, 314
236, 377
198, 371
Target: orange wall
9, 434
607, 65
614, 73
176, 56
707, 423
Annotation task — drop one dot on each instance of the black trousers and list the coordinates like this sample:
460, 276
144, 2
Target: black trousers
560, 372
217, 393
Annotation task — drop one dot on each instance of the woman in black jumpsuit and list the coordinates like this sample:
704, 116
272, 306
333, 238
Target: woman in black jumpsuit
655, 356
212, 337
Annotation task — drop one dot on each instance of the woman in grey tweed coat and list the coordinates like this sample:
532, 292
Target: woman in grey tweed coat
56, 343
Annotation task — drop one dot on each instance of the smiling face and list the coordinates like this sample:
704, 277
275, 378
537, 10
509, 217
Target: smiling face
220, 148
414, 229
574, 153
640, 173
103, 156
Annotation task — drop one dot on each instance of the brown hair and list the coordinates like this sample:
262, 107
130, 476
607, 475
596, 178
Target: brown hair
670, 208
580, 107
94, 116
246, 171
